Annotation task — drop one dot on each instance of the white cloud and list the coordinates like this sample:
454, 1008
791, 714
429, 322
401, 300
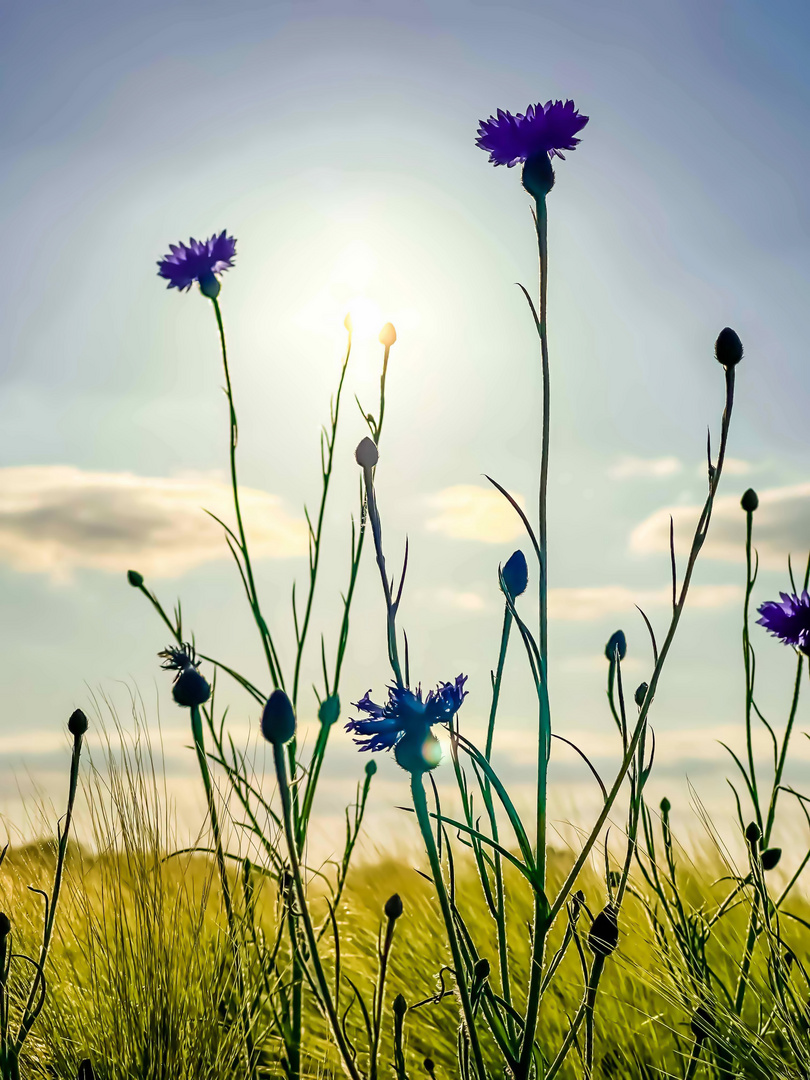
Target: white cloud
580, 605
732, 466
635, 466
781, 526
469, 512
55, 519
457, 599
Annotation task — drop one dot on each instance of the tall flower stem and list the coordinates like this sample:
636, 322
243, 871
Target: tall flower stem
423, 817
390, 604
319, 976
544, 734
250, 584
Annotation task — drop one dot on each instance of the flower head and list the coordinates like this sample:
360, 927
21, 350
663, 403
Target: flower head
543, 129
190, 688
788, 620
199, 260
405, 713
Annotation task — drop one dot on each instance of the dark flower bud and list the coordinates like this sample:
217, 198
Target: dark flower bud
538, 175
86, 1071
135, 579
616, 642
278, 718
515, 575
209, 286
5, 925
329, 710
703, 1023
400, 1005
604, 935
728, 348
430, 1066
393, 907
77, 724
418, 753
388, 335
770, 857
666, 806
367, 455
750, 501
481, 971
191, 688
641, 694
753, 834
371, 767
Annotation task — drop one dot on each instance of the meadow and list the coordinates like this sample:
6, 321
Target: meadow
488, 950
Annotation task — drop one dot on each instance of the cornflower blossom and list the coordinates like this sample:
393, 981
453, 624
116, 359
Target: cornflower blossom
788, 620
512, 139
199, 260
405, 713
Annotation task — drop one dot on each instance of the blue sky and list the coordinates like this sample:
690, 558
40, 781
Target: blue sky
336, 141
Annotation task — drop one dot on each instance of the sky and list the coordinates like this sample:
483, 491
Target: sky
336, 141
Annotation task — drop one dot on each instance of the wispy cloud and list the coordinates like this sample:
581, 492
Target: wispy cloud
581, 605
469, 512
55, 519
628, 467
781, 526
455, 599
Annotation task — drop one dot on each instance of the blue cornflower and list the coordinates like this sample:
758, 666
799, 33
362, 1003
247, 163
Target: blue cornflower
199, 260
788, 620
543, 129
406, 714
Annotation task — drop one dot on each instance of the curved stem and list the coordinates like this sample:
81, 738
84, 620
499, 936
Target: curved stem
423, 817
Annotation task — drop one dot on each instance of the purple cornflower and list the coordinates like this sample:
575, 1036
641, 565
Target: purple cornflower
199, 260
543, 129
406, 713
788, 620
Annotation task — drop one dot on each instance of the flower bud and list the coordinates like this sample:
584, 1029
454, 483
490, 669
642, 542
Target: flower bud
728, 348
418, 752
703, 1023
77, 724
278, 718
347, 322
393, 907
388, 335
770, 857
666, 806
367, 455
515, 575
329, 710
481, 971
86, 1071
400, 1005
209, 286
135, 579
641, 694
430, 1066
538, 175
190, 688
371, 767
750, 501
616, 641
5, 925
753, 834
604, 935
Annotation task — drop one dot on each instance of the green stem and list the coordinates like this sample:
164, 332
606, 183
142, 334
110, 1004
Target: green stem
423, 818
749, 686
267, 641
280, 762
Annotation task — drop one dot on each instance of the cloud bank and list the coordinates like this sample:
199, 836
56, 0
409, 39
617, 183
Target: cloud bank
781, 527
581, 605
469, 512
56, 519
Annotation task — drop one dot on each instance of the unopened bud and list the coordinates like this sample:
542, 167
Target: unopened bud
135, 579
418, 753
367, 455
371, 768
5, 925
770, 857
400, 1005
616, 642
347, 322
388, 335
515, 575
430, 1066
190, 688
393, 907
728, 348
86, 1071
753, 834
604, 935
750, 501
538, 175
641, 694
278, 719
666, 806
77, 724
329, 710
